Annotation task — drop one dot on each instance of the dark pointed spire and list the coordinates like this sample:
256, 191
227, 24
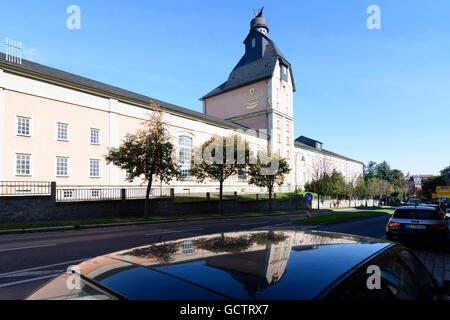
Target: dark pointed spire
259, 23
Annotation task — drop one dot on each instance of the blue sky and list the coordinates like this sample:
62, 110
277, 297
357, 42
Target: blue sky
368, 94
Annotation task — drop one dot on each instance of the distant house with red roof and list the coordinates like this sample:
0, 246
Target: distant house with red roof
415, 181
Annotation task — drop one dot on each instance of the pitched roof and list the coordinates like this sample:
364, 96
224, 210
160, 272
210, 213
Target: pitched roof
308, 141
323, 151
66, 78
247, 73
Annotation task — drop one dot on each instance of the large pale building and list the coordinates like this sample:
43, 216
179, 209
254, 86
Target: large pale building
58, 126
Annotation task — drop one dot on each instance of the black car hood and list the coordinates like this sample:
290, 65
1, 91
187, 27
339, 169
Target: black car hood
266, 265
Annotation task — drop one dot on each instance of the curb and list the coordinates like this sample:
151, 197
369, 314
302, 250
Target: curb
124, 224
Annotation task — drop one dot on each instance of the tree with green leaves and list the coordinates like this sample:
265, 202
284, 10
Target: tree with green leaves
349, 190
384, 172
219, 158
327, 184
379, 188
370, 170
268, 171
148, 154
337, 185
445, 171
429, 186
361, 187
399, 184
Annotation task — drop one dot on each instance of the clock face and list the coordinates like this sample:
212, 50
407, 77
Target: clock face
251, 100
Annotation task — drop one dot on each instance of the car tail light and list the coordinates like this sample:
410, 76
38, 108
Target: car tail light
439, 226
394, 224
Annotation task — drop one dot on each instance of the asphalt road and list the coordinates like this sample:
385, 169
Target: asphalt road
373, 227
31, 260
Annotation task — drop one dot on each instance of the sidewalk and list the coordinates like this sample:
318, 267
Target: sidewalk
438, 263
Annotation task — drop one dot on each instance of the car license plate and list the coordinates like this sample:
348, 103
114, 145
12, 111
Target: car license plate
415, 226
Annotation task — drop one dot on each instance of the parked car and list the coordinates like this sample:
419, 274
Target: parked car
418, 223
438, 206
254, 265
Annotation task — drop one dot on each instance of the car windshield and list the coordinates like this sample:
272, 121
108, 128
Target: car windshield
417, 214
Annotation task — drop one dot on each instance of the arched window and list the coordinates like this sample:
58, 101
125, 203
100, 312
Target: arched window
185, 155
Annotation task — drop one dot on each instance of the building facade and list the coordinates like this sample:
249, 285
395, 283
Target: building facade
58, 126
415, 181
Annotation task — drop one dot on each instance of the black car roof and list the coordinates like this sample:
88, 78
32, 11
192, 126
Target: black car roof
282, 264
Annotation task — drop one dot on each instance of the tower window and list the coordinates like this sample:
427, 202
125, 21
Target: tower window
284, 73
253, 42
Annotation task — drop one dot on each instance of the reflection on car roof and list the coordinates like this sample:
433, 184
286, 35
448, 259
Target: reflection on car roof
271, 265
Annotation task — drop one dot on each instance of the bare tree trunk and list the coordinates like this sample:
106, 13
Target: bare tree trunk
318, 203
221, 190
147, 195
270, 199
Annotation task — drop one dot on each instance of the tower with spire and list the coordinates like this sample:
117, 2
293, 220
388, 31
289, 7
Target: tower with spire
258, 93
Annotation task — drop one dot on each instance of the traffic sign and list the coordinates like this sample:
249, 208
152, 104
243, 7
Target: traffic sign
443, 190
309, 197
443, 195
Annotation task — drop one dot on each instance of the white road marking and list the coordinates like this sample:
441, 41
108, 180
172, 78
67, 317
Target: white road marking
43, 267
32, 247
250, 224
32, 273
167, 232
29, 280
274, 225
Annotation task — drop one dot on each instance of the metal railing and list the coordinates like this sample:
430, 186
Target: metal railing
25, 188
86, 194
139, 193
100, 193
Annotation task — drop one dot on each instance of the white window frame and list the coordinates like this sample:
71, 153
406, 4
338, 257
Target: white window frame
30, 165
99, 169
56, 167
30, 126
99, 136
67, 129
188, 176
